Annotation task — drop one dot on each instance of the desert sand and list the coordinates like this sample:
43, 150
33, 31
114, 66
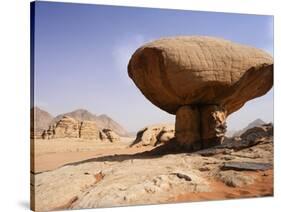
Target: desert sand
52, 154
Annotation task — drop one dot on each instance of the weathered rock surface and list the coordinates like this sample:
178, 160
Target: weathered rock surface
109, 135
258, 132
154, 134
213, 125
41, 122
88, 130
215, 75
249, 138
256, 123
186, 70
187, 129
102, 121
148, 178
67, 127
235, 179
253, 144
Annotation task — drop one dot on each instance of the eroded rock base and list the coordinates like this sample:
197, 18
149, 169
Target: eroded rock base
200, 126
213, 125
188, 127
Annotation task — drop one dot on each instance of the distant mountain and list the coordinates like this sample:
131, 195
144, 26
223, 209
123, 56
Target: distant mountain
255, 123
42, 120
79, 114
102, 121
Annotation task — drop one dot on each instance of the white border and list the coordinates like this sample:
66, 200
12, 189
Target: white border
14, 46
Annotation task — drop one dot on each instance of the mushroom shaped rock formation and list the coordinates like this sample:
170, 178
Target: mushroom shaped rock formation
201, 80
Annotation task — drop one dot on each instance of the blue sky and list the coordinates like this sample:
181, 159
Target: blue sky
82, 51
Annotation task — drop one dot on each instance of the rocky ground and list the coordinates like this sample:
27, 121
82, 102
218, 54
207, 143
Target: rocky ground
241, 167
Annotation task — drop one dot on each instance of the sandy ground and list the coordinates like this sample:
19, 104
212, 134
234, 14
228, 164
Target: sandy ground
52, 154
76, 173
262, 187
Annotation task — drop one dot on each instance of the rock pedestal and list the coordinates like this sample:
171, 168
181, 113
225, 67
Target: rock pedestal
200, 126
196, 78
188, 127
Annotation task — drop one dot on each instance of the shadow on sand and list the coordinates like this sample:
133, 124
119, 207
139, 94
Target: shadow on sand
169, 148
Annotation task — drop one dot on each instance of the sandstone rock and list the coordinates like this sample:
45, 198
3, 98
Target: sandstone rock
235, 179
67, 127
213, 125
182, 176
88, 130
258, 132
166, 134
249, 138
122, 180
187, 129
214, 75
102, 121
102, 135
154, 135
110, 135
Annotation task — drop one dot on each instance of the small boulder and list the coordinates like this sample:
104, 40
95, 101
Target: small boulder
154, 135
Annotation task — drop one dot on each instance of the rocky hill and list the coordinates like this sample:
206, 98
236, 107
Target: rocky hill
102, 121
68, 127
255, 123
42, 120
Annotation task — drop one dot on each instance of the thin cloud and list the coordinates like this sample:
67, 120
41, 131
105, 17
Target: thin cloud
122, 53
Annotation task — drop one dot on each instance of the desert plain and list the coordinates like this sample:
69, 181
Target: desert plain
73, 173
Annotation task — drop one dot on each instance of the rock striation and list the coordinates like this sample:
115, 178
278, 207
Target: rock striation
201, 80
88, 130
102, 121
68, 127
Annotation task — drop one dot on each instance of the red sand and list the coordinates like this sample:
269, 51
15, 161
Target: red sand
263, 186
